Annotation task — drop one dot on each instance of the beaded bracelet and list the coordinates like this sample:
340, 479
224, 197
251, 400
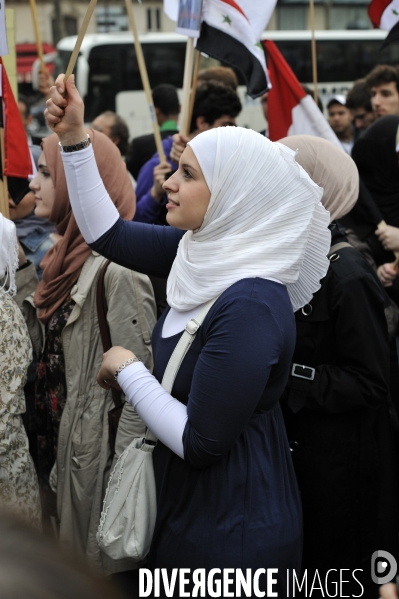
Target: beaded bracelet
122, 366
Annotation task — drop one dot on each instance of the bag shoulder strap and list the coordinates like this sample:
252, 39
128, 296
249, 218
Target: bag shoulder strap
184, 345
337, 247
102, 310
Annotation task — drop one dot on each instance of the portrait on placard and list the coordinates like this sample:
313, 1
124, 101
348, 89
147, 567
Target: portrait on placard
189, 17
3, 33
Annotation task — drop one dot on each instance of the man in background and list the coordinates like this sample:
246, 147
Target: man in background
114, 127
341, 122
167, 108
358, 101
383, 82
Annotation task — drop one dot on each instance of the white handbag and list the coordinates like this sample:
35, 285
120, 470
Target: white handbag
129, 510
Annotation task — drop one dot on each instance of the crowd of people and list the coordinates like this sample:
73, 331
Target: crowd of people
278, 444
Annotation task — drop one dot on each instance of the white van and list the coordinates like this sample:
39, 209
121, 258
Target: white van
108, 77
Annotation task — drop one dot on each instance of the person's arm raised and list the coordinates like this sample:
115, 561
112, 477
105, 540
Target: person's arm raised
94, 211
145, 248
65, 111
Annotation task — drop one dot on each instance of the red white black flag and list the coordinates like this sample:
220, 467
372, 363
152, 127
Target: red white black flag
231, 31
17, 159
291, 111
384, 14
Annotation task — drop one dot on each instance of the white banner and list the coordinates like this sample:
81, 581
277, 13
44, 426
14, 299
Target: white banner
3, 32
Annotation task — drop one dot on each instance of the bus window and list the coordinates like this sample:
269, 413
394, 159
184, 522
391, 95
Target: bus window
114, 68
343, 60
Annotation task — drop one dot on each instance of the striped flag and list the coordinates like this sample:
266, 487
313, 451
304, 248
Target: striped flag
384, 14
291, 111
230, 32
18, 162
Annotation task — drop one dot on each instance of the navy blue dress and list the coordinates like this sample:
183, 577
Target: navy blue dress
233, 501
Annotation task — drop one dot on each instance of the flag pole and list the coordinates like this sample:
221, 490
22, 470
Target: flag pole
82, 33
37, 35
4, 208
145, 80
188, 70
193, 87
314, 56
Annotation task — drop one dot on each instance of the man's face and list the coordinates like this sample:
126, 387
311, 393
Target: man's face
340, 119
385, 99
104, 124
362, 118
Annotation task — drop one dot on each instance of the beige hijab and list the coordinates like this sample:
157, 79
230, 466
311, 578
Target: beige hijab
63, 263
329, 167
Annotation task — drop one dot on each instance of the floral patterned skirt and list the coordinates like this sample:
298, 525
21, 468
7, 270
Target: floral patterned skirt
50, 401
19, 492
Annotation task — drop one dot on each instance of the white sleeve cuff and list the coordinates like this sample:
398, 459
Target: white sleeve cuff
94, 210
164, 415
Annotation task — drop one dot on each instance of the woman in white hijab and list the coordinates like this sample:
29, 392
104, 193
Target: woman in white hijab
19, 491
256, 237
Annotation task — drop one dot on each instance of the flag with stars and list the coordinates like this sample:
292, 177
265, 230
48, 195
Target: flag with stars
231, 31
384, 14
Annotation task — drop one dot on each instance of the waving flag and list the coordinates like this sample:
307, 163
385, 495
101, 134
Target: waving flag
231, 31
291, 110
384, 14
18, 162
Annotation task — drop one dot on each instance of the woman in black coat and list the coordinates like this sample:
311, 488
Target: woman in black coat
336, 404
376, 156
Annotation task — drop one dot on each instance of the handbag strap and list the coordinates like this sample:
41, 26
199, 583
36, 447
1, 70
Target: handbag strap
102, 310
184, 345
337, 247
180, 351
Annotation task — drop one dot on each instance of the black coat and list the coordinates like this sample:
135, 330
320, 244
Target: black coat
377, 161
338, 425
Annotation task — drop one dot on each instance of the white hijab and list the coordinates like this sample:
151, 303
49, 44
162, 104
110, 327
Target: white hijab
8, 255
264, 219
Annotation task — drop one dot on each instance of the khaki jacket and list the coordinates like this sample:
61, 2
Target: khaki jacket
83, 455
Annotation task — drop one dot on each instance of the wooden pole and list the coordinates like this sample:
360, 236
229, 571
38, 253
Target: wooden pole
37, 35
4, 208
82, 33
193, 87
188, 70
314, 56
145, 81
